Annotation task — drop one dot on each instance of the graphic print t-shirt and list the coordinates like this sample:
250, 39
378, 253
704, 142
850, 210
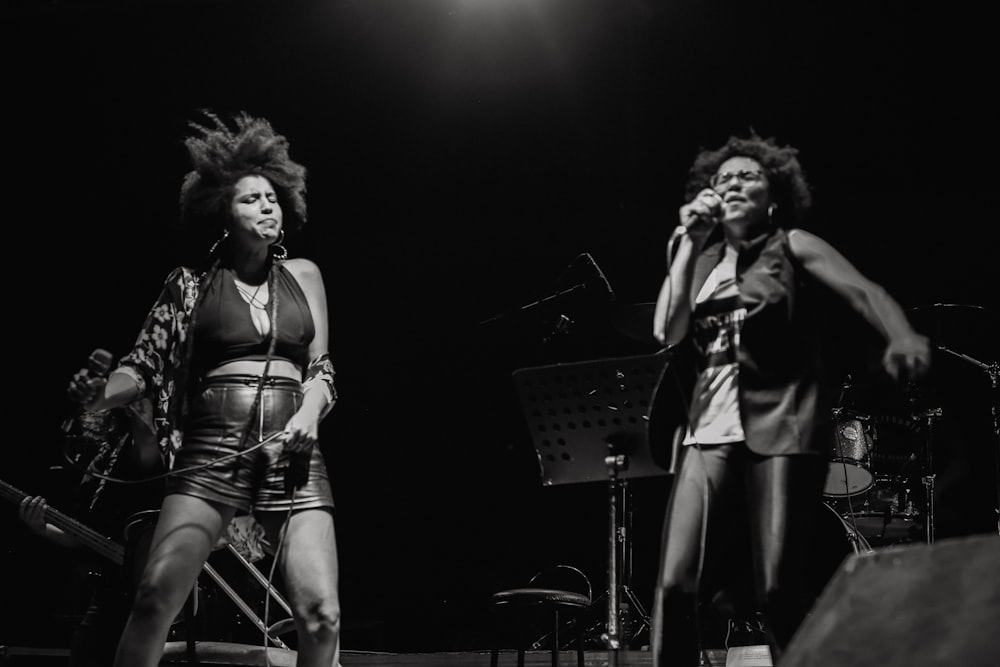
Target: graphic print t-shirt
715, 410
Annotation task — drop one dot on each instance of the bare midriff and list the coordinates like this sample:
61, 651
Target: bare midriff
279, 368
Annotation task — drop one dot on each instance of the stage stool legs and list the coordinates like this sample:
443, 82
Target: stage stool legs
561, 587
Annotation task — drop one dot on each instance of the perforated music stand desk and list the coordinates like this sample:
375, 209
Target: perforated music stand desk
589, 422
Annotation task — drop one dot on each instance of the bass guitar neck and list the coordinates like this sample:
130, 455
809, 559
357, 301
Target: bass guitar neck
86, 535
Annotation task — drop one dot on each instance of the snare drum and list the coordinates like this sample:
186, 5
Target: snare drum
850, 468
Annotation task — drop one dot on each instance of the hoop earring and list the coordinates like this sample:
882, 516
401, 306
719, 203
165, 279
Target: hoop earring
215, 246
770, 213
279, 251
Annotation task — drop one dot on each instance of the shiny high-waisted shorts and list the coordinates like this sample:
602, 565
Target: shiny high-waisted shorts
217, 415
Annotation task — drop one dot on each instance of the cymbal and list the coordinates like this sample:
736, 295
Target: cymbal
951, 309
967, 328
635, 321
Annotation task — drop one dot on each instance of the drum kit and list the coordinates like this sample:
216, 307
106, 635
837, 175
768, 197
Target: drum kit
881, 498
881, 471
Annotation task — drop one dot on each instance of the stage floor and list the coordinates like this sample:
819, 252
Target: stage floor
217, 653
224, 653
717, 658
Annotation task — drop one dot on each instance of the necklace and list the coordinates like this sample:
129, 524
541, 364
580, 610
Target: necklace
252, 298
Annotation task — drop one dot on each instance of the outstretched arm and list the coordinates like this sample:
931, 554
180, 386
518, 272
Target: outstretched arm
907, 353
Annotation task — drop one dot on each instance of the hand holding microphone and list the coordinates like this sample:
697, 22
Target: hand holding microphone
87, 385
300, 436
700, 215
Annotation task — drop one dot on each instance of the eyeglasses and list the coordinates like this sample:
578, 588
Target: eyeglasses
745, 176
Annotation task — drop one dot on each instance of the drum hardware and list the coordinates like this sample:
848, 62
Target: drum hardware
931, 416
886, 514
855, 539
993, 372
974, 329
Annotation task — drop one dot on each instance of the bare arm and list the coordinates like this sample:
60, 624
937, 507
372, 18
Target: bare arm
673, 304
160, 332
907, 352
98, 393
303, 427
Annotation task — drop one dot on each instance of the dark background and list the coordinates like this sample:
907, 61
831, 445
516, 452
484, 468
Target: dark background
461, 154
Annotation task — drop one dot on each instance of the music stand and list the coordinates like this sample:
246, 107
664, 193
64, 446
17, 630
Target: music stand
589, 422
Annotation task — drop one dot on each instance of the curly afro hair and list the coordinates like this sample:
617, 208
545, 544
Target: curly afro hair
786, 178
221, 156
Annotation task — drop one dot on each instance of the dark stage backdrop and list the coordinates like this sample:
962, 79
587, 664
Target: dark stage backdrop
461, 154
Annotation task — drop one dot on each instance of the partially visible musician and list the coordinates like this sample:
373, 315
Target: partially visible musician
118, 443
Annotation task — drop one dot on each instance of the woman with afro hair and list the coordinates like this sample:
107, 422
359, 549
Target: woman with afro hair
234, 356
743, 294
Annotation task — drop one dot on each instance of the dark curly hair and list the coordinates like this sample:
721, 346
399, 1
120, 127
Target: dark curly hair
787, 180
221, 156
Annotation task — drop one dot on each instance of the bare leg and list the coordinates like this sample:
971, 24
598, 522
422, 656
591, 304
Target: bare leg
308, 560
186, 531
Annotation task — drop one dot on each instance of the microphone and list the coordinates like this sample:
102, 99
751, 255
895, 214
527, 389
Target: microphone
297, 472
98, 365
714, 215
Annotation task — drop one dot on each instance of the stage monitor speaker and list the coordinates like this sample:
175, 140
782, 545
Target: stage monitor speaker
907, 606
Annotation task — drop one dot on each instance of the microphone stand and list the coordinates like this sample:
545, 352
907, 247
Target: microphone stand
993, 372
533, 304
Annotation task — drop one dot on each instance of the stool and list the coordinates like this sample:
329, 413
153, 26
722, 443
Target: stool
558, 589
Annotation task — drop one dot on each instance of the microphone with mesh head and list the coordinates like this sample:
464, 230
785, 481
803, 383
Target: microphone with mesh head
98, 367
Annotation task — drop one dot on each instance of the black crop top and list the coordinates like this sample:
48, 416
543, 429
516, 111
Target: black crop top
223, 330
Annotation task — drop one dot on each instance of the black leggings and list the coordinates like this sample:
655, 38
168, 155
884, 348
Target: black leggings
773, 500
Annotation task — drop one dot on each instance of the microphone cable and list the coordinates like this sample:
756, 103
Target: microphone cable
270, 577
170, 473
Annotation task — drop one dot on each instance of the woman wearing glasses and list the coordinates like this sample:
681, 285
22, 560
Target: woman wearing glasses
745, 288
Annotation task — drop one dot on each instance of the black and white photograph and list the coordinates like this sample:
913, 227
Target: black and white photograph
411, 333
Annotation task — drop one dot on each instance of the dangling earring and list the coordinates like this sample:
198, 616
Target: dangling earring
225, 235
279, 251
770, 213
